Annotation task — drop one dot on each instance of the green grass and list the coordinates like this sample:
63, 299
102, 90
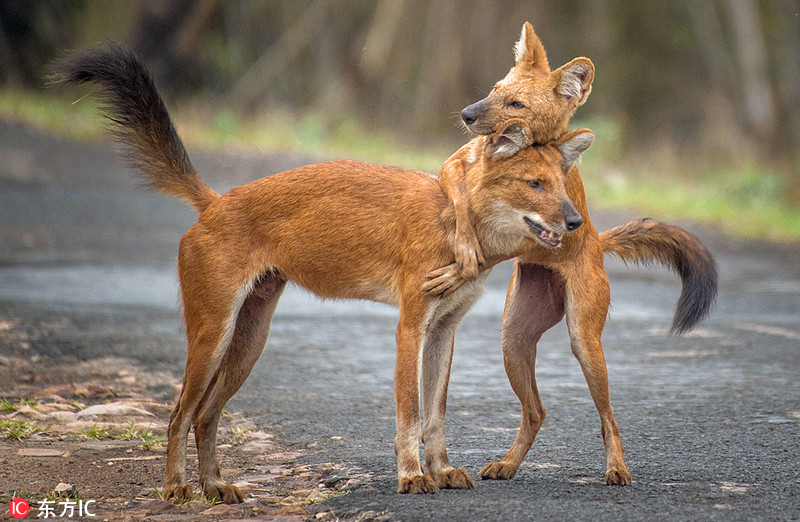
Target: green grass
53, 112
180, 501
6, 406
131, 432
96, 433
238, 435
16, 493
745, 201
31, 403
149, 439
17, 429
73, 113
56, 497
309, 135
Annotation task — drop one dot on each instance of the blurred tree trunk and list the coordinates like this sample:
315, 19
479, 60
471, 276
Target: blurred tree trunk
753, 61
786, 61
599, 36
723, 129
441, 60
380, 41
166, 35
711, 40
30, 34
721, 76
252, 87
184, 42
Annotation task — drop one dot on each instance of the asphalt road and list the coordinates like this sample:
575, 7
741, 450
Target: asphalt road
710, 422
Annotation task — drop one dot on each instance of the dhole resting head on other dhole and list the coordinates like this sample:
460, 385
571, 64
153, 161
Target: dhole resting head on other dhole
340, 229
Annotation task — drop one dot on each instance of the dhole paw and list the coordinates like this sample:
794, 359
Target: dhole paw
498, 471
223, 492
456, 478
469, 259
417, 484
443, 281
178, 492
618, 477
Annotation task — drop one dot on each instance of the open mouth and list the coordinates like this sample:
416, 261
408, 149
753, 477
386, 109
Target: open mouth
547, 237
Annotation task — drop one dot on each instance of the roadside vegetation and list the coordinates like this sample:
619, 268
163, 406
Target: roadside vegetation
747, 201
17, 429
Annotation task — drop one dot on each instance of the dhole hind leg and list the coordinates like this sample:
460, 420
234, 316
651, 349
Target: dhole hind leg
250, 336
212, 297
588, 299
206, 332
535, 303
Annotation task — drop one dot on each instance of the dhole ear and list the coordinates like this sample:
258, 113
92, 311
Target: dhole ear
572, 144
512, 137
575, 80
529, 49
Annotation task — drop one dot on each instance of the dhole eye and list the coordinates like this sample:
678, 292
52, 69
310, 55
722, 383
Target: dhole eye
517, 105
534, 184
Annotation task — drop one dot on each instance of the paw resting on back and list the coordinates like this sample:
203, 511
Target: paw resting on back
470, 258
442, 282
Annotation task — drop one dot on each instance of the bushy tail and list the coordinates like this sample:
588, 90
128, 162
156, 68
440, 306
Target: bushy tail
140, 122
646, 241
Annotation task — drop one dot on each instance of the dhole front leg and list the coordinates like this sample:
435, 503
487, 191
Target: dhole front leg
437, 356
588, 298
467, 249
534, 304
410, 478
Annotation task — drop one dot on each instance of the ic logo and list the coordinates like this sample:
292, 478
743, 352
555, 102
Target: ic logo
19, 508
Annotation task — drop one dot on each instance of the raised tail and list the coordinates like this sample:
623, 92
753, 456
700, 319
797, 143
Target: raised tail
140, 122
647, 241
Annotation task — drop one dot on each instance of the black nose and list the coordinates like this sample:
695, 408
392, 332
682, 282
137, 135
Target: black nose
572, 217
573, 222
469, 115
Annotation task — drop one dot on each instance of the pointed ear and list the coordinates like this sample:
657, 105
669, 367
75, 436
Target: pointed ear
529, 49
574, 80
572, 144
512, 137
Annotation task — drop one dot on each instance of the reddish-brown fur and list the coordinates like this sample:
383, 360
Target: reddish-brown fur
342, 230
550, 283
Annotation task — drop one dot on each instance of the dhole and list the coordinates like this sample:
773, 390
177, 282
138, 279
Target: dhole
566, 277
342, 230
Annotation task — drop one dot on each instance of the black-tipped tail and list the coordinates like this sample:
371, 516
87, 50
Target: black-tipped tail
646, 241
140, 121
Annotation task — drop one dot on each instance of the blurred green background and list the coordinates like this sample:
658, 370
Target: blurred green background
695, 104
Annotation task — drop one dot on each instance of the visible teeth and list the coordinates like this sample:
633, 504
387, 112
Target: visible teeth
549, 236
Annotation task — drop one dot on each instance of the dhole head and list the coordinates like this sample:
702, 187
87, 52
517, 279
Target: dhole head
544, 99
523, 191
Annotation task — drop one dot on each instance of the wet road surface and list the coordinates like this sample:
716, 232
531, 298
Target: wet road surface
710, 422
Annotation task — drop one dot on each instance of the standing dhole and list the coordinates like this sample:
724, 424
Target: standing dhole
341, 230
569, 280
